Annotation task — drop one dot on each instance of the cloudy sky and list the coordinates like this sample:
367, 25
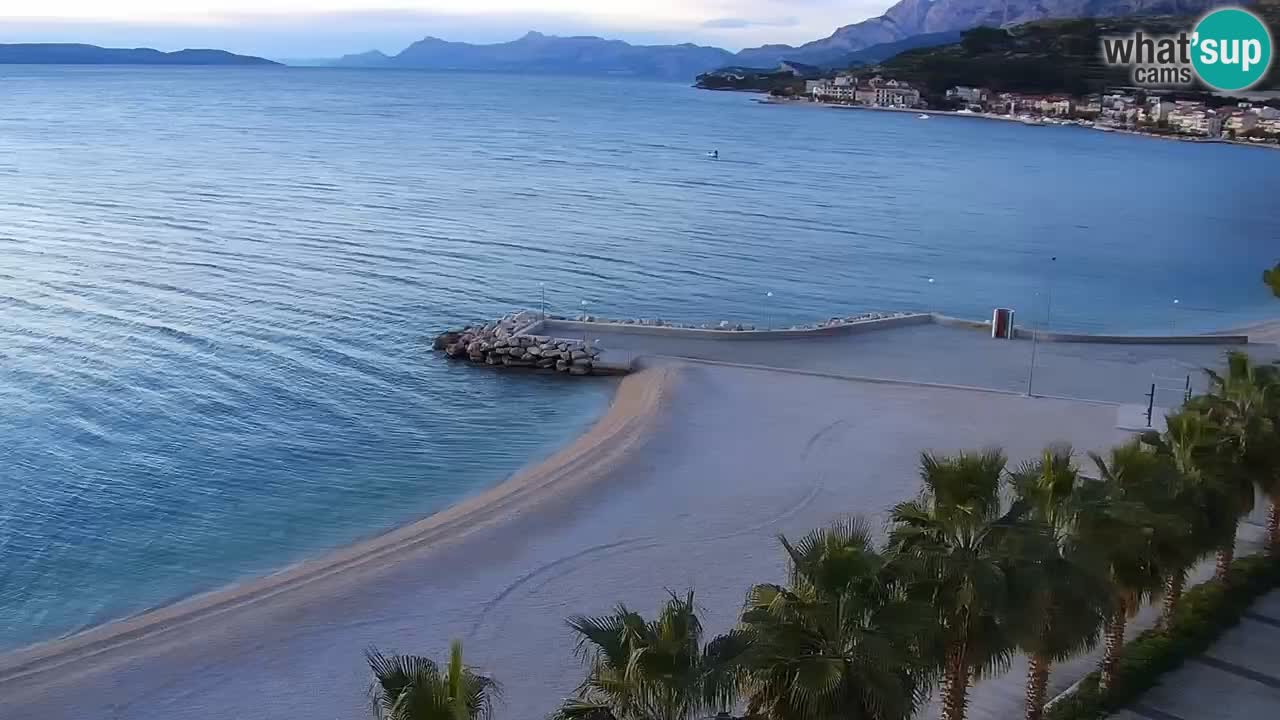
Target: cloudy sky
324, 28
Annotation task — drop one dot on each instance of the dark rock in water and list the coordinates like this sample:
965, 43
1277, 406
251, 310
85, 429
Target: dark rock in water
445, 339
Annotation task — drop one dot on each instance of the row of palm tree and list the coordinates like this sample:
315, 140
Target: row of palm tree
987, 561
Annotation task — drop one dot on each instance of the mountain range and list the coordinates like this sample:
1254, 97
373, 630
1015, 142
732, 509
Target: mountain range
74, 54
909, 18
538, 53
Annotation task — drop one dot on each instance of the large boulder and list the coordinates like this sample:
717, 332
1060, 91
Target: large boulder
445, 339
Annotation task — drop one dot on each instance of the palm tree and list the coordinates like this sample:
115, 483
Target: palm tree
1240, 402
653, 670
955, 533
1198, 496
841, 639
409, 687
1061, 585
1136, 483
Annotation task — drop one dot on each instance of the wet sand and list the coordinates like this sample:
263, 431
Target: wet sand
685, 483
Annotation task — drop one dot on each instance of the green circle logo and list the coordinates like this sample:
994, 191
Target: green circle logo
1231, 49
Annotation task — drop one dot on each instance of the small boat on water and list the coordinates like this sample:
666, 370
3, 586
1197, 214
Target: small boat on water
714, 155
922, 116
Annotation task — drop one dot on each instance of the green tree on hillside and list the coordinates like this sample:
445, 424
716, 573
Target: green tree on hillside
1272, 279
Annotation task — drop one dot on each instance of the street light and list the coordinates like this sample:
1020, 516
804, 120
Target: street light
768, 310
542, 287
1048, 317
584, 322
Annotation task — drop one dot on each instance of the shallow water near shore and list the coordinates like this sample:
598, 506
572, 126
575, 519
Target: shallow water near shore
216, 284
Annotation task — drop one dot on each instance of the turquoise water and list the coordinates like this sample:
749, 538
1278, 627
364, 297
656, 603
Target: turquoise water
216, 284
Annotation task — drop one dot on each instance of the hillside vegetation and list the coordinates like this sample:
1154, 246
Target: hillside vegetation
1049, 56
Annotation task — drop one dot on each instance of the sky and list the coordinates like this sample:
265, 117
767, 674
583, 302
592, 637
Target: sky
329, 28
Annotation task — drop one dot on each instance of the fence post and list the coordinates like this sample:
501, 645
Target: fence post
1151, 403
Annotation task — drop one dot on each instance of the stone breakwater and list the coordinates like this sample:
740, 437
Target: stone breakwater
505, 343
514, 340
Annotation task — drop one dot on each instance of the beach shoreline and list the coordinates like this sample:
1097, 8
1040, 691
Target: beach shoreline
1014, 119
585, 460
630, 415
752, 446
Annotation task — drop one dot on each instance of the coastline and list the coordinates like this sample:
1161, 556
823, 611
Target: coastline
1013, 119
573, 468
688, 476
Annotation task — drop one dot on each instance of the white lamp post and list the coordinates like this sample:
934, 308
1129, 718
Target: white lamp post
768, 310
1048, 317
542, 288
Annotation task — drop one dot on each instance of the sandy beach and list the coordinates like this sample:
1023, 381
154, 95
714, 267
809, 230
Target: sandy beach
684, 483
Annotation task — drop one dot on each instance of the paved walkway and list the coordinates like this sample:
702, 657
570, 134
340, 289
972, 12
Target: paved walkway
960, 356
1237, 679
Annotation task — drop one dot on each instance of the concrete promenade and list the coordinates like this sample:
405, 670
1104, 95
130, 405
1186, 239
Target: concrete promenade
933, 353
1237, 679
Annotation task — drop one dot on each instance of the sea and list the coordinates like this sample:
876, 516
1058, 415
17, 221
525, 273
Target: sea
218, 286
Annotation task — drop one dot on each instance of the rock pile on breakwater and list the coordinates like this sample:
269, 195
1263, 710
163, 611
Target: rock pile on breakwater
504, 343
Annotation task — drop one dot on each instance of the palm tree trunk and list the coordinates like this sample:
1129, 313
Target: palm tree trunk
955, 685
1037, 685
1226, 554
1172, 594
1273, 528
1114, 642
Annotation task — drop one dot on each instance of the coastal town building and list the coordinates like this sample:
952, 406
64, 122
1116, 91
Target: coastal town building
1056, 105
968, 95
832, 91
1124, 109
876, 92
1239, 121
1156, 110
1195, 119
900, 96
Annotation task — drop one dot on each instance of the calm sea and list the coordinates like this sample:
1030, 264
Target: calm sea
216, 284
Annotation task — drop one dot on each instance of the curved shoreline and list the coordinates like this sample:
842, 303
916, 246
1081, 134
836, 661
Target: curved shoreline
578, 466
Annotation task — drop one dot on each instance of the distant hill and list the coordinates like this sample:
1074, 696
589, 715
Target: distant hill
912, 18
789, 76
884, 51
906, 25
1049, 56
550, 54
74, 54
